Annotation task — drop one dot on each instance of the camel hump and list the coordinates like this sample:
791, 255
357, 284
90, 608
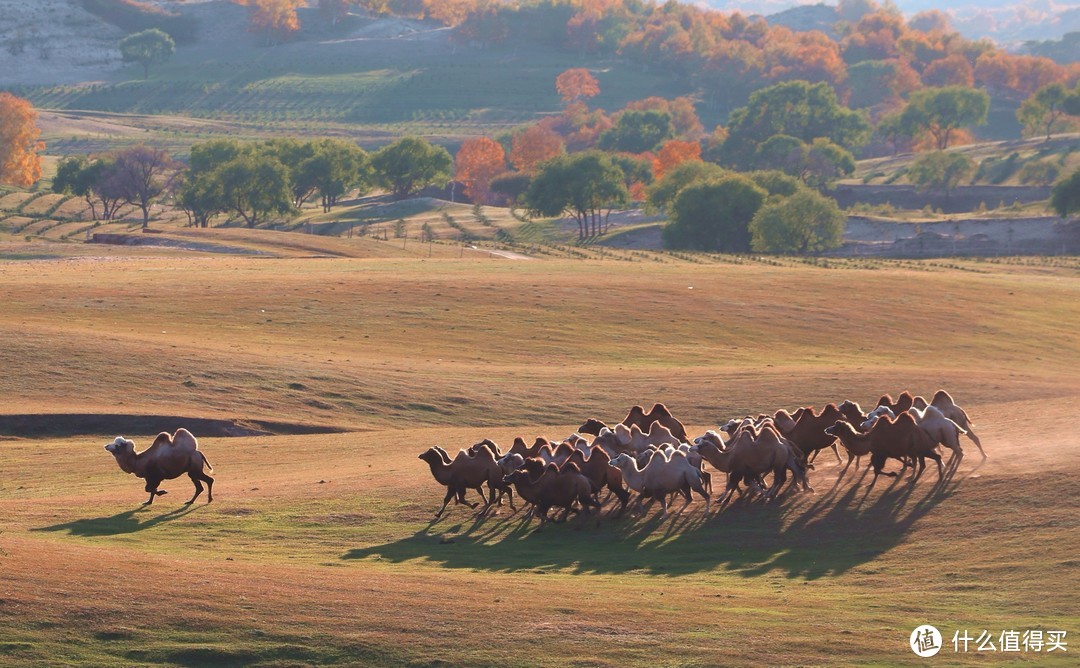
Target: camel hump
183, 438
660, 409
163, 439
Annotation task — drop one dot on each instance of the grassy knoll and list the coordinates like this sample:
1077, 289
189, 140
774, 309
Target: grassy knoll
319, 549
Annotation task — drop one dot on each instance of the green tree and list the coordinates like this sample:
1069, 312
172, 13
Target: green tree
797, 108
662, 193
200, 197
940, 171
142, 174
894, 129
1044, 111
781, 152
255, 187
147, 48
714, 215
942, 111
806, 222
411, 164
335, 167
825, 163
511, 185
637, 132
1065, 197
585, 186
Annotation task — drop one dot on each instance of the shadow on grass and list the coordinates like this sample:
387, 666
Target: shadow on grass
128, 521
804, 536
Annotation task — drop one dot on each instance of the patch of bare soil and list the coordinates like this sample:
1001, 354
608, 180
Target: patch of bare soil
72, 424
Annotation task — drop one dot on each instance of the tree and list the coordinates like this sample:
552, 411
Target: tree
666, 189
1044, 110
576, 84
942, 111
276, 19
334, 168
1065, 197
637, 132
673, 153
585, 186
93, 180
147, 48
20, 164
511, 186
825, 163
534, 145
940, 171
714, 215
200, 197
334, 10
805, 222
477, 162
254, 187
142, 174
794, 108
410, 164
893, 129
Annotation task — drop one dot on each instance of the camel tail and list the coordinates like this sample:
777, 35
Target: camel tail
206, 461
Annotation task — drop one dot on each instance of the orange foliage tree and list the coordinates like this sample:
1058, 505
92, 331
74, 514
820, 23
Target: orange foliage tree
534, 145
20, 164
477, 162
575, 84
275, 18
672, 153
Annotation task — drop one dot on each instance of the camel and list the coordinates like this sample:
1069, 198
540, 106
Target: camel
466, 472
658, 435
167, 458
942, 401
553, 488
662, 476
933, 422
809, 435
752, 454
596, 466
644, 421
897, 439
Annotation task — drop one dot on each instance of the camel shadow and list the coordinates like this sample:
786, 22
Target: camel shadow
805, 536
126, 522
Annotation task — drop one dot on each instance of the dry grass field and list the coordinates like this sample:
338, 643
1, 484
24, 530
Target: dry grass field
319, 549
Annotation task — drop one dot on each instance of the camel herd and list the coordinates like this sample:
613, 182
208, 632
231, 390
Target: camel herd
647, 457
650, 457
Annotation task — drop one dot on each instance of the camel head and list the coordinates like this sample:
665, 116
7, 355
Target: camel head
431, 456
840, 428
592, 426
123, 450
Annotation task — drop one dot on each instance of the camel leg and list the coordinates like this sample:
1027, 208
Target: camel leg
152, 489
198, 488
450, 492
975, 440
844, 470
837, 453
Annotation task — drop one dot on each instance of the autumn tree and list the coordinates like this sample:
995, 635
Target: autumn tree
805, 222
477, 162
142, 174
943, 111
576, 84
147, 48
585, 186
672, 153
1044, 112
20, 163
534, 145
276, 19
410, 164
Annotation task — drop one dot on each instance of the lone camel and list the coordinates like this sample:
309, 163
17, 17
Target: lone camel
169, 457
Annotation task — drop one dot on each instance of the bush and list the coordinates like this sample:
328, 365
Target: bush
134, 16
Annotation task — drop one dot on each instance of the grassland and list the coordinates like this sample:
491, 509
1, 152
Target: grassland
319, 549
